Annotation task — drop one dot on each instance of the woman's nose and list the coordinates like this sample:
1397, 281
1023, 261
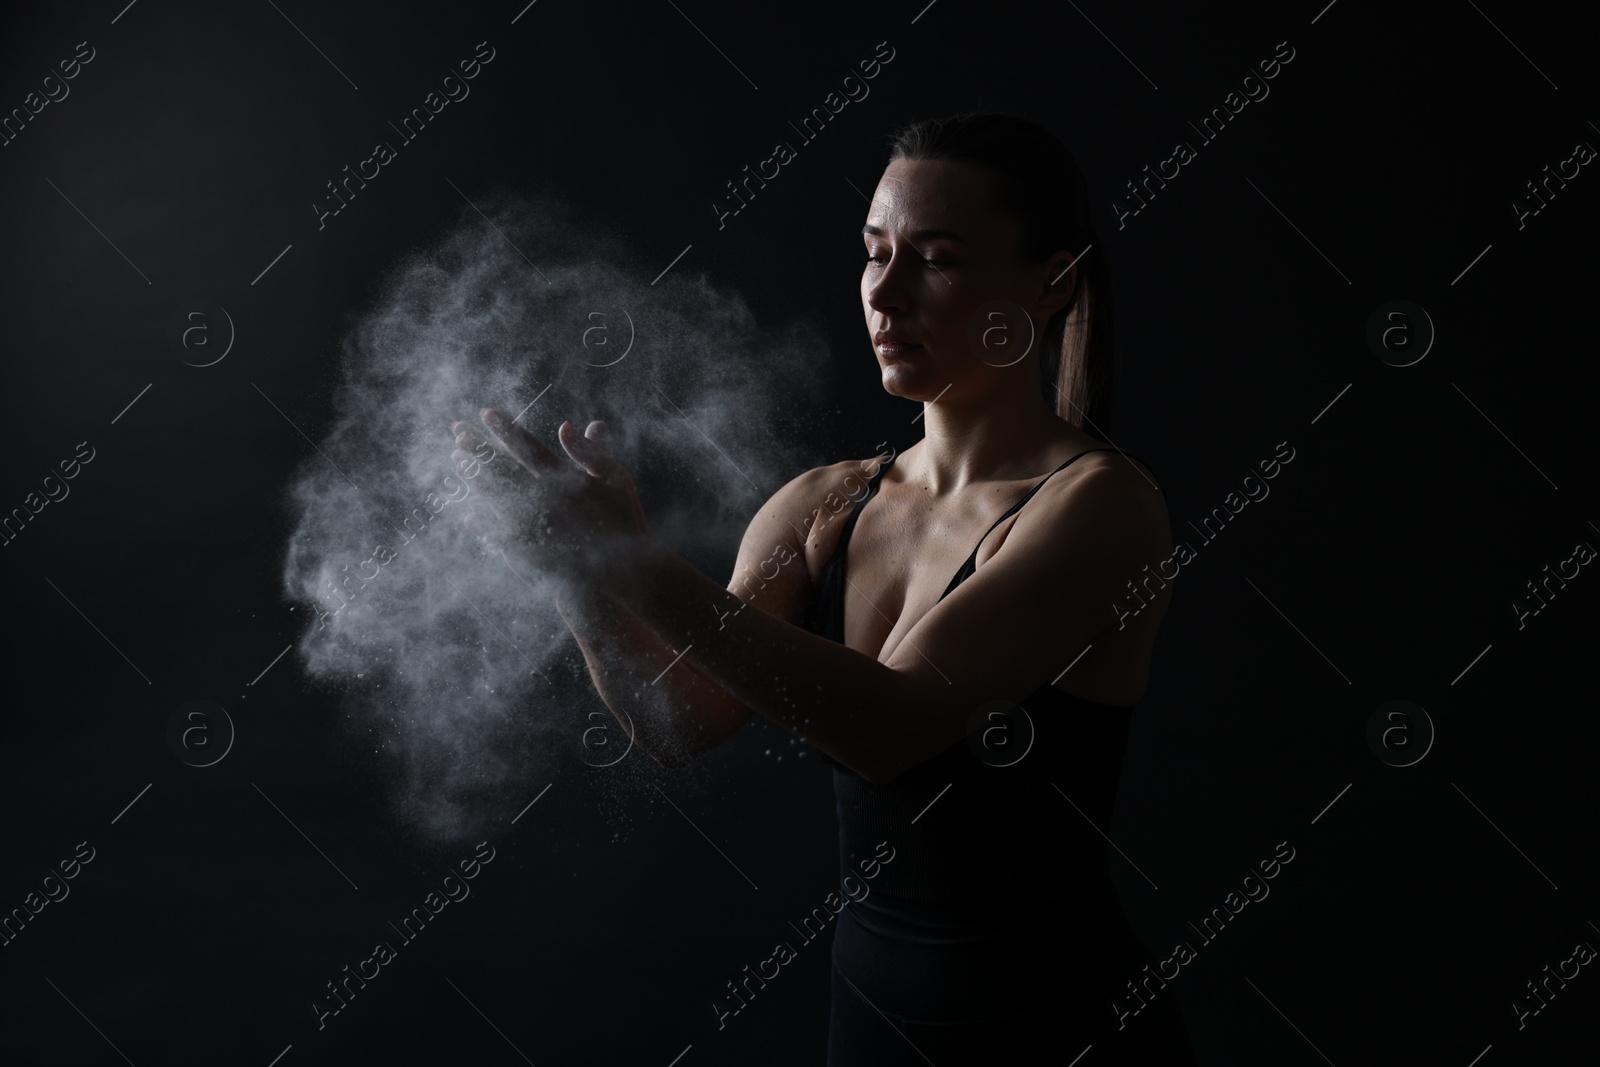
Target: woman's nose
887, 290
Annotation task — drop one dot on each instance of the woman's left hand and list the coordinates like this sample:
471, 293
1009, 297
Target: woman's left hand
575, 518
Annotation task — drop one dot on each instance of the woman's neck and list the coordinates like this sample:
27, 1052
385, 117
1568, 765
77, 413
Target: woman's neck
997, 439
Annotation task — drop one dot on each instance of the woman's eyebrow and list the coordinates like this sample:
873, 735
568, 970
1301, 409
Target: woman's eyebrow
920, 235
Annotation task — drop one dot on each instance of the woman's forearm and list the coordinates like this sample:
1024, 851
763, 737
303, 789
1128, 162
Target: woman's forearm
672, 714
850, 706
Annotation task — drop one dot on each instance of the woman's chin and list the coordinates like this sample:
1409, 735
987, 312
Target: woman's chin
909, 382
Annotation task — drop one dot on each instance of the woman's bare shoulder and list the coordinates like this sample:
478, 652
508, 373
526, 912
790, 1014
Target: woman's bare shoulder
801, 504
799, 523
820, 486
1130, 469
1112, 491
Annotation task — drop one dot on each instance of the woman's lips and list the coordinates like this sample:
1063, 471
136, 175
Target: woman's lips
896, 349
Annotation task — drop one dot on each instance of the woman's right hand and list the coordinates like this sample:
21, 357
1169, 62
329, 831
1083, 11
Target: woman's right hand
567, 518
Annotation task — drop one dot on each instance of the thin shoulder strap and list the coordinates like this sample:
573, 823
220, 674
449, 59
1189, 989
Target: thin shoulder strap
826, 614
971, 565
855, 512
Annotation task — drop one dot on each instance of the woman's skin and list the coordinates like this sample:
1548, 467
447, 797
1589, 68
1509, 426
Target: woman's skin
674, 656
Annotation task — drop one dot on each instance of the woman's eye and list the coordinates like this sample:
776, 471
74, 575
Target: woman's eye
934, 264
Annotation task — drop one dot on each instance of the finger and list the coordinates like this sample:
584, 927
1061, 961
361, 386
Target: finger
589, 450
467, 436
520, 443
474, 454
479, 448
504, 480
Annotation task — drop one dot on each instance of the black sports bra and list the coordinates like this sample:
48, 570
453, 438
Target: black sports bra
1002, 842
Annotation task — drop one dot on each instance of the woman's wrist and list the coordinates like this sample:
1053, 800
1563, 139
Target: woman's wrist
576, 601
629, 567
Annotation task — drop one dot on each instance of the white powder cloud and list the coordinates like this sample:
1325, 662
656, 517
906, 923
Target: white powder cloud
462, 673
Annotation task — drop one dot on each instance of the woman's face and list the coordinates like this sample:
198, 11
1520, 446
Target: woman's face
944, 273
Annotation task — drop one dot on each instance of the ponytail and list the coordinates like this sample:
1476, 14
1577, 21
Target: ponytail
1077, 356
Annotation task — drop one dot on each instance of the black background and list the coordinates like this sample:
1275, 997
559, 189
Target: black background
1381, 566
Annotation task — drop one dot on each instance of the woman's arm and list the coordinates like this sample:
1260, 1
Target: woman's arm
673, 715
675, 711
1011, 627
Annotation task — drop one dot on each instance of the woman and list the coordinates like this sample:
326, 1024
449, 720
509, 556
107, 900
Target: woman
967, 717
